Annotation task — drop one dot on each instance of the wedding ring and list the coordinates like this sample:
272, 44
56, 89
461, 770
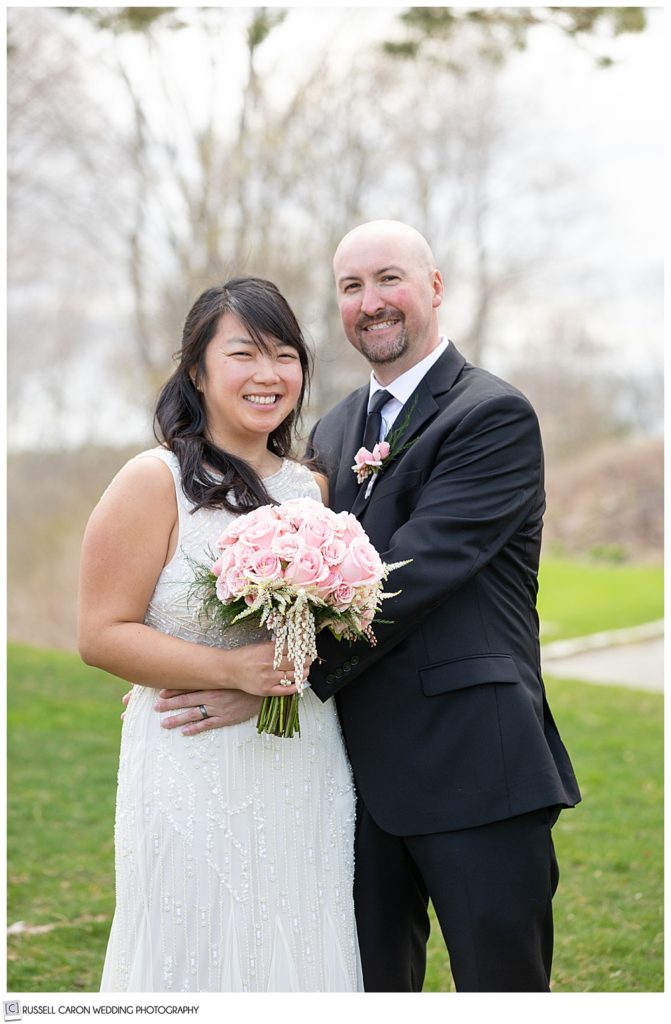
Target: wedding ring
203, 710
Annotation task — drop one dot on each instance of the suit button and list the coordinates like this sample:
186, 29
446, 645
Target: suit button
339, 673
330, 680
354, 659
347, 667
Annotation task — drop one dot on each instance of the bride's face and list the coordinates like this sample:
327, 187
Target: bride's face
247, 391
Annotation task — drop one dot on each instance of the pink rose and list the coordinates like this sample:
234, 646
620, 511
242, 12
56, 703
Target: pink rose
332, 581
230, 534
230, 584
348, 527
264, 567
263, 514
316, 532
343, 596
362, 564
308, 569
242, 524
259, 535
333, 551
222, 590
224, 562
298, 510
233, 583
365, 459
286, 546
243, 555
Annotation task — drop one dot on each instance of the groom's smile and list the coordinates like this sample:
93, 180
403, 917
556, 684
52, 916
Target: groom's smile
379, 325
380, 340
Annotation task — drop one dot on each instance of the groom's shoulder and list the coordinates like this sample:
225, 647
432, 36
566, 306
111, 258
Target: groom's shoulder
481, 385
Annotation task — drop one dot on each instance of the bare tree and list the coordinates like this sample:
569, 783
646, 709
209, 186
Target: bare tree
166, 189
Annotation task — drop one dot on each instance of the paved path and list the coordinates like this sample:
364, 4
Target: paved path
628, 657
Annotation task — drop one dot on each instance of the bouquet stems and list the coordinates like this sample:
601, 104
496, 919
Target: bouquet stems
279, 716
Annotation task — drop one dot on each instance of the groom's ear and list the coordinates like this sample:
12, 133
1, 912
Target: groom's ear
438, 288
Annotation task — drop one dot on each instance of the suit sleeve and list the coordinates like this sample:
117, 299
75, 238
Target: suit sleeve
484, 484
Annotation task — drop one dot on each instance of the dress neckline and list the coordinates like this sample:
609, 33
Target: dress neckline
263, 479
277, 472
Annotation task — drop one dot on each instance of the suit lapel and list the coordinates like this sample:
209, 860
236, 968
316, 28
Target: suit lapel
423, 405
346, 487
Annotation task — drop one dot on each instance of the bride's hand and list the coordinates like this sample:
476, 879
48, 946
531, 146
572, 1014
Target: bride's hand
250, 668
228, 707
124, 700
223, 707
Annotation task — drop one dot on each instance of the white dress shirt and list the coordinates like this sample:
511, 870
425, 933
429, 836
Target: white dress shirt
403, 386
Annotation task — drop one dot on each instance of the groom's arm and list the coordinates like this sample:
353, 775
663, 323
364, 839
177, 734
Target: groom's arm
485, 483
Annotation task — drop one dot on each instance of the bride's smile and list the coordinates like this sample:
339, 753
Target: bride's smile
248, 385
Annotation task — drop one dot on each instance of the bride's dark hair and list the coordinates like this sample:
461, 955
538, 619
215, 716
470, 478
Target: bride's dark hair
211, 477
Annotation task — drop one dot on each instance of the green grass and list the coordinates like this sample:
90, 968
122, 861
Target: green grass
62, 761
578, 598
62, 753
609, 904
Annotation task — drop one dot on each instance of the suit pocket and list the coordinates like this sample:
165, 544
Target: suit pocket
460, 673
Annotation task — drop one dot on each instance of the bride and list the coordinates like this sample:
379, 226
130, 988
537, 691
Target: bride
234, 851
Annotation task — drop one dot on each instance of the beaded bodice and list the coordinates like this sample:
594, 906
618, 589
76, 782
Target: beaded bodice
173, 608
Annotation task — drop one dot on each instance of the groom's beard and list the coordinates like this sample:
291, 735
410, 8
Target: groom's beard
378, 353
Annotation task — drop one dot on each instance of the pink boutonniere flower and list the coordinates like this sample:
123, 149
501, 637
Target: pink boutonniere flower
367, 463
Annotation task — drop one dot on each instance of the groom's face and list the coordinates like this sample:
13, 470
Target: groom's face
387, 295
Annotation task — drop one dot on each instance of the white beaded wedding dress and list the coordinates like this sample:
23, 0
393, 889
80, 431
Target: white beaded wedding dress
234, 851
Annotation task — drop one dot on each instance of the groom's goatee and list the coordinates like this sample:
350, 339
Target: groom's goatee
378, 353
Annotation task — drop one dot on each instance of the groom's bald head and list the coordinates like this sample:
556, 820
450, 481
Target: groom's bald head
395, 234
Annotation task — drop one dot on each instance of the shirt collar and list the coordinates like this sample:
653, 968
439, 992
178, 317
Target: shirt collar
402, 387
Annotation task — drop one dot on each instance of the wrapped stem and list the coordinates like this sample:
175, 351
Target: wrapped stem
294, 629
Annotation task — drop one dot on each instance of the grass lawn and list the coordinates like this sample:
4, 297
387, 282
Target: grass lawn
62, 759
62, 751
578, 598
609, 904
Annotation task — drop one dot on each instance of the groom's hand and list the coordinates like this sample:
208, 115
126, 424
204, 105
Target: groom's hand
224, 707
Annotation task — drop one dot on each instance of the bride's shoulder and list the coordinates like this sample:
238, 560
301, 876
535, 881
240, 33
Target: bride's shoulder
153, 455
151, 472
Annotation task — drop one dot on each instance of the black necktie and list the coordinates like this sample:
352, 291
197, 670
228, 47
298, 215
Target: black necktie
371, 434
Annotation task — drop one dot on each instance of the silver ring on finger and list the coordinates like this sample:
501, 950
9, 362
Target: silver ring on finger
203, 711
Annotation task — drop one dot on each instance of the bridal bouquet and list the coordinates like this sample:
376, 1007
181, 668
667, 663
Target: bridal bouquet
297, 568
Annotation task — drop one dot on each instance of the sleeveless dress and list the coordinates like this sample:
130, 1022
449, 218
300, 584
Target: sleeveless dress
233, 851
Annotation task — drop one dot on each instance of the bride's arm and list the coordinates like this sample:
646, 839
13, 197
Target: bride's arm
129, 538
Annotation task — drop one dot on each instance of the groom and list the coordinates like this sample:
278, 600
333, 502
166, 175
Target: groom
459, 767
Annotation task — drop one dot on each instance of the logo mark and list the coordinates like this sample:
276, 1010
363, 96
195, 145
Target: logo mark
12, 1009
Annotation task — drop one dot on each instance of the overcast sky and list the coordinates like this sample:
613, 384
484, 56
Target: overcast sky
605, 126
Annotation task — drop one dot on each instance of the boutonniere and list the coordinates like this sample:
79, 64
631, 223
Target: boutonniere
368, 464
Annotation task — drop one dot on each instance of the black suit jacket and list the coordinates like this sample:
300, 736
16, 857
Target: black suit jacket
445, 720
